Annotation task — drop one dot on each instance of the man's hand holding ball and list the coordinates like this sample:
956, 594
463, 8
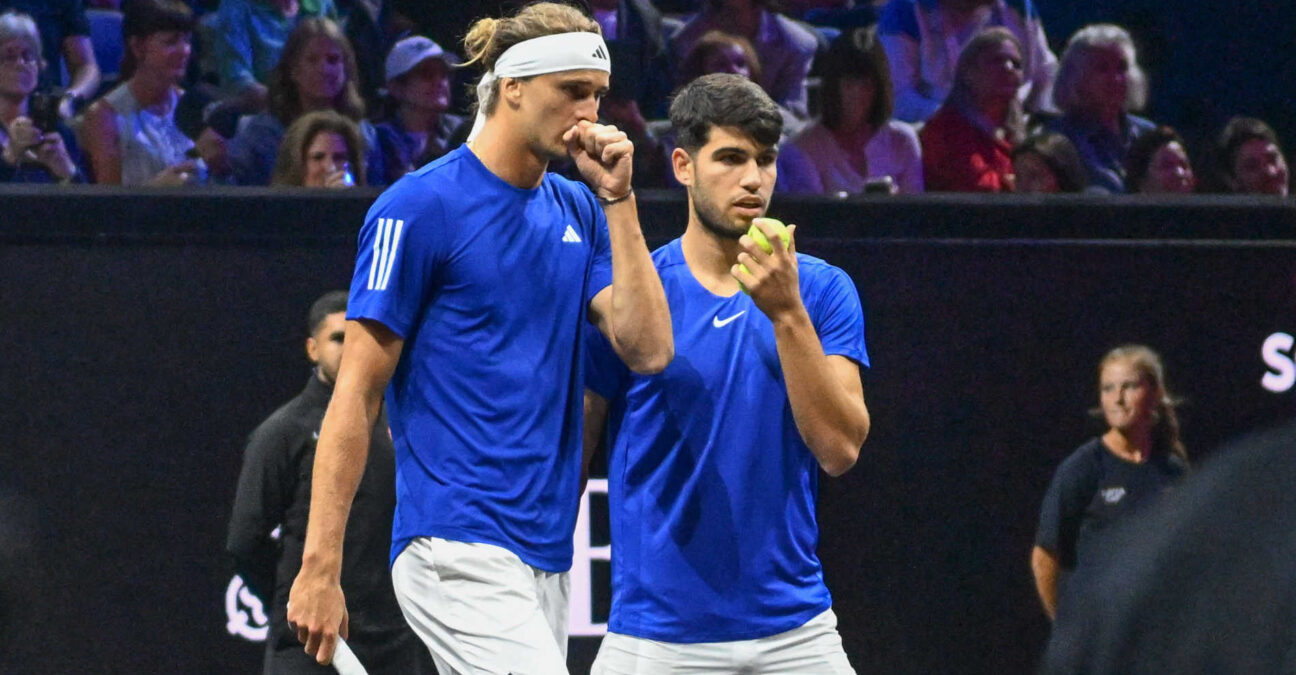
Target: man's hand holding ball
766, 272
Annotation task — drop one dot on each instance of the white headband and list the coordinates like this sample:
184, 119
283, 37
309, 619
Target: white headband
541, 56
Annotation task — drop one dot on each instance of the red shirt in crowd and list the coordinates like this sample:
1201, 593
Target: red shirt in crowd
959, 156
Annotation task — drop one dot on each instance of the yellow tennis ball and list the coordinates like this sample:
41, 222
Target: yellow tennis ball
756, 233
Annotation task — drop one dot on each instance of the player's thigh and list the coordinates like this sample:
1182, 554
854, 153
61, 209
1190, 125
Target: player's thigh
554, 593
476, 607
629, 655
815, 648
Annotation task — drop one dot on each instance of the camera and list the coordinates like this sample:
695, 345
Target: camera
43, 108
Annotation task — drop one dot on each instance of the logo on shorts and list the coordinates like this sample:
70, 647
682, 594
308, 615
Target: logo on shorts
1113, 495
570, 236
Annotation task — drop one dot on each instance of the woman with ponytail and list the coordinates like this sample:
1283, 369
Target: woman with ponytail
1138, 458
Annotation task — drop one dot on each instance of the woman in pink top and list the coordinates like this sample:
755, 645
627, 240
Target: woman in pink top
856, 141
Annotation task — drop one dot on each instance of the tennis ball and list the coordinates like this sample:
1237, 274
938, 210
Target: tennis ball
782, 230
759, 236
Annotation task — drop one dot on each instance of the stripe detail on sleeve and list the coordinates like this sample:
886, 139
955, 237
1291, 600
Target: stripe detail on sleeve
386, 243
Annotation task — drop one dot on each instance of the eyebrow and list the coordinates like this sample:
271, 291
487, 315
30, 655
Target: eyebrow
582, 82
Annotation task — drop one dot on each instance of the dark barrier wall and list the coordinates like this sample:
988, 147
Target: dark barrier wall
145, 336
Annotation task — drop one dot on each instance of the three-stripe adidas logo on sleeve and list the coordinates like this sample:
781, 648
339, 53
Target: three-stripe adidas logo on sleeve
386, 242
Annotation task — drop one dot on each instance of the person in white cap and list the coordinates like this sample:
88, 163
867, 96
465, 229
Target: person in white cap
474, 278
420, 129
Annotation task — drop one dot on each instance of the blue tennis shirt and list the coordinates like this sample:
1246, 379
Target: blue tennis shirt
488, 284
711, 489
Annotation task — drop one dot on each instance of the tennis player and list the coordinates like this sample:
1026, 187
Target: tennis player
714, 462
474, 277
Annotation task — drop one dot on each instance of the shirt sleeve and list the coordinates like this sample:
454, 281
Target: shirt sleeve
909, 155
259, 505
601, 268
1063, 508
234, 46
399, 257
605, 373
905, 58
839, 317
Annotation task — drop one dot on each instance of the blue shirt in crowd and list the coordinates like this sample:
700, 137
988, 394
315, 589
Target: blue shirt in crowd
488, 284
251, 35
1103, 152
711, 489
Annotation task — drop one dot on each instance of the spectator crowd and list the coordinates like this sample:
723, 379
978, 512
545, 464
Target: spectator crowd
893, 96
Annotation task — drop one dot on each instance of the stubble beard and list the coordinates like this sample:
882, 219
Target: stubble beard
712, 218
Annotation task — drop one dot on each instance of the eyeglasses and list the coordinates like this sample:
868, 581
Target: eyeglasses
23, 58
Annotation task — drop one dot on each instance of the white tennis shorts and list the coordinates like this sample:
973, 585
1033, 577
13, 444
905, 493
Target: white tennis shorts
813, 649
480, 609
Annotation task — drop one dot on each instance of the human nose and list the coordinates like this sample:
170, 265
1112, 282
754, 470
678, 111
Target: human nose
587, 110
751, 176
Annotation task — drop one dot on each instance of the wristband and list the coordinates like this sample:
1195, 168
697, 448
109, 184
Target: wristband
616, 200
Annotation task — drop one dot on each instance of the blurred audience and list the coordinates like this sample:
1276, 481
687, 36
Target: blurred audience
855, 139
66, 48
1251, 159
635, 33
321, 149
967, 146
317, 72
1047, 162
721, 52
250, 37
1159, 164
1099, 83
366, 24
37, 147
786, 47
131, 134
923, 40
420, 129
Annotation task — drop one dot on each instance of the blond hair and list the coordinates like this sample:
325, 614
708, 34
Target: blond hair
1147, 363
1075, 65
488, 38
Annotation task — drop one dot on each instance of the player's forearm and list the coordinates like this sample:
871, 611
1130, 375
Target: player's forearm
832, 421
340, 458
1045, 568
640, 319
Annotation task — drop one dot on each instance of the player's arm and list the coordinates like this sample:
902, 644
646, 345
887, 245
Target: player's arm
632, 312
596, 411
316, 608
1045, 567
825, 391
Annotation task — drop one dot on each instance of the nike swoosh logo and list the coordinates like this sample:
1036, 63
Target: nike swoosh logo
721, 323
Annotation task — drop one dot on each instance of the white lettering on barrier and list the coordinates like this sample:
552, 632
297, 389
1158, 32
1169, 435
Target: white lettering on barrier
1277, 354
580, 622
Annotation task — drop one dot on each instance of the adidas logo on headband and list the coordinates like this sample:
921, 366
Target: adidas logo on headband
600, 53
